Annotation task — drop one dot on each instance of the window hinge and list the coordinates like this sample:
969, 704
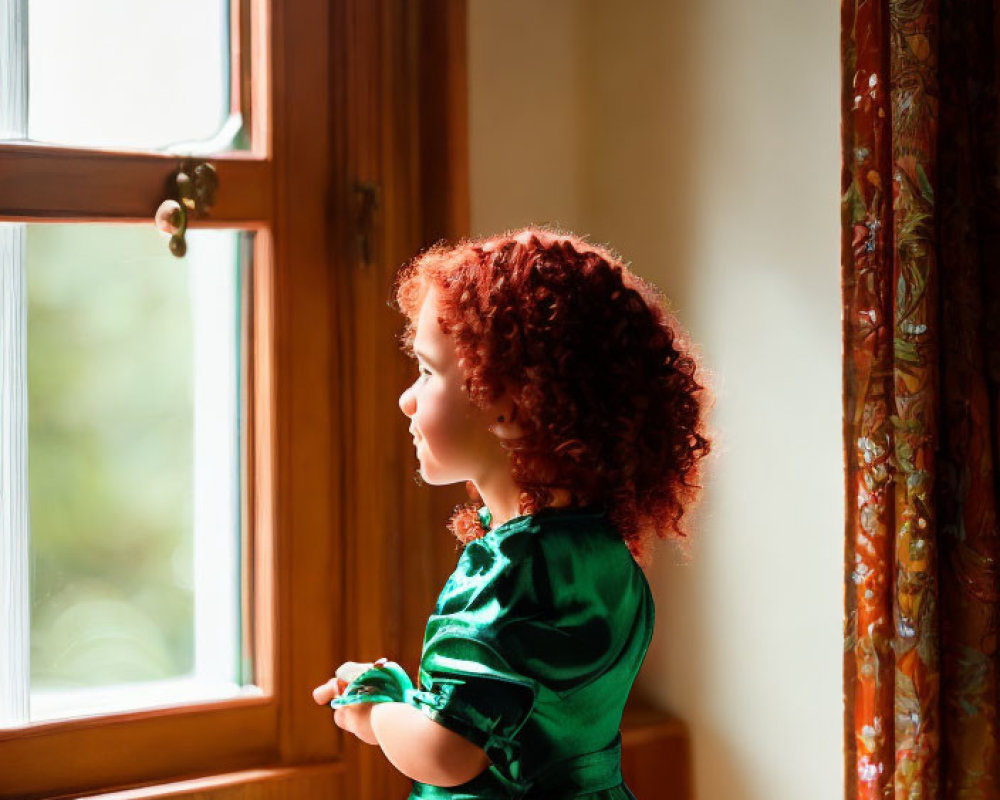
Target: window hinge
367, 196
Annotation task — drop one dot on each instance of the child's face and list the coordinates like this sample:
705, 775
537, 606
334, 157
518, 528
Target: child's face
453, 440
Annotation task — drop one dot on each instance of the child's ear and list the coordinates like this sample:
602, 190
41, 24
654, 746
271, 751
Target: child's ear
503, 425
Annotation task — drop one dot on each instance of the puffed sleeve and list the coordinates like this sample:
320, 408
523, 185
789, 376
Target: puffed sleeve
468, 681
471, 690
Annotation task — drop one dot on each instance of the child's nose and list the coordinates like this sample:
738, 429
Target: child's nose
406, 404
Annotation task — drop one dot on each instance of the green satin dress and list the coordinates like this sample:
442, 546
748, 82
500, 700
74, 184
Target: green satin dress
530, 653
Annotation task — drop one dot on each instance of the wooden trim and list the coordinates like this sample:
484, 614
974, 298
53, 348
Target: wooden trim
365, 509
260, 116
656, 752
444, 120
43, 183
262, 429
643, 723
240, 100
398, 551
42, 760
306, 560
313, 781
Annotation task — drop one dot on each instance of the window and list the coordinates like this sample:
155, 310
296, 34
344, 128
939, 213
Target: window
145, 616
123, 389
128, 517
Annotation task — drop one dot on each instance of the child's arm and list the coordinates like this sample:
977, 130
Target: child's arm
422, 749
413, 743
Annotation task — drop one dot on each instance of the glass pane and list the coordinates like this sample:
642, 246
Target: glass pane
135, 462
127, 74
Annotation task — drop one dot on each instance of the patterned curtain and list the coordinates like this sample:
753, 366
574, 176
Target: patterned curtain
921, 295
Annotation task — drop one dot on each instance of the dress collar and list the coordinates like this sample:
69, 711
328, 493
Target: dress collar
524, 520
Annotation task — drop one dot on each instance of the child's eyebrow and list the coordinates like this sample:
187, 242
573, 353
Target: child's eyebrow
424, 356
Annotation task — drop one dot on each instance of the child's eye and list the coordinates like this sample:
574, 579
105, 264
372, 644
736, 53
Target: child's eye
424, 372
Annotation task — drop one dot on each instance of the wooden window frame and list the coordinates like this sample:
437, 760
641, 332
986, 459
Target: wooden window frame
343, 93
42, 183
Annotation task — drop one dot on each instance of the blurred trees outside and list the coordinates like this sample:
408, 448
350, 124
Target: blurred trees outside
110, 418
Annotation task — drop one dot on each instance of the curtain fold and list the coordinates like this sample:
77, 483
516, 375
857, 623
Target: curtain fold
921, 300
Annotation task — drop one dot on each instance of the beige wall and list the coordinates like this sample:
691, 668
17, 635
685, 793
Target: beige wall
701, 140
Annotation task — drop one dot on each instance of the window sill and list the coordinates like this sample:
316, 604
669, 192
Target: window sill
271, 782
49, 706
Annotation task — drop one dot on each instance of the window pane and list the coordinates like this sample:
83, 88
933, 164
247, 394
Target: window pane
135, 465
129, 74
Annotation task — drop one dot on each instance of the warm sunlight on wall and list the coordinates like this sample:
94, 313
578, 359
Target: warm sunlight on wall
702, 141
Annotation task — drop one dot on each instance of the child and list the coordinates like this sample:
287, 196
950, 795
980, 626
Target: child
558, 386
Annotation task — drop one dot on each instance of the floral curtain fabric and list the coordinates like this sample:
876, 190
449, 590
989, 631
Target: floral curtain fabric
921, 298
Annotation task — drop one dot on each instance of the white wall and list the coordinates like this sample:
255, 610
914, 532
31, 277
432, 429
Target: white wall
701, 140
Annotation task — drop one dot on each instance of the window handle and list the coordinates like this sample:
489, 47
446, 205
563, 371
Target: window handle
193, 188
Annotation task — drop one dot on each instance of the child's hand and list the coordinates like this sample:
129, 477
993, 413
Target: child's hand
335, 687
355, 718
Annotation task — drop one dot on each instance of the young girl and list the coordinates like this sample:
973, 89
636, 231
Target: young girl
557, 385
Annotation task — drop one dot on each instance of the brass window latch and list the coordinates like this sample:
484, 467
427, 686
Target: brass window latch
193, 188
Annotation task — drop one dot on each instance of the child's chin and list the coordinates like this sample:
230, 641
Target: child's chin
433, 478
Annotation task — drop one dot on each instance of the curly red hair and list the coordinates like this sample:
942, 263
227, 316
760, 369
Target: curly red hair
603, 378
